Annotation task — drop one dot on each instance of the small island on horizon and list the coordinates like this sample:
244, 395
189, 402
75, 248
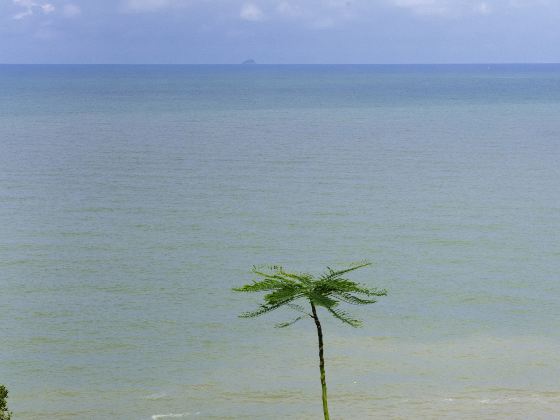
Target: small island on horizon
249, 61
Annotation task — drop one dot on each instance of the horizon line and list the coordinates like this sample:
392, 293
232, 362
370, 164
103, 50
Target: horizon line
291, 64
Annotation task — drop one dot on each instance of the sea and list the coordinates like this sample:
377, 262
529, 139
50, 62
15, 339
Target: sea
133, 198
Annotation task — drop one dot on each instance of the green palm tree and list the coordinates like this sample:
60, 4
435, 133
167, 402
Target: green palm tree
284, 289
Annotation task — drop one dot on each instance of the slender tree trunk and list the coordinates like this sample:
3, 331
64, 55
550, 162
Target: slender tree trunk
321, 362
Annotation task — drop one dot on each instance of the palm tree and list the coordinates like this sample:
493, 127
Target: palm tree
283, 289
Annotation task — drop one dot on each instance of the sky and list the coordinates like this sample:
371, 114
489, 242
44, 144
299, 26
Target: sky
279, 31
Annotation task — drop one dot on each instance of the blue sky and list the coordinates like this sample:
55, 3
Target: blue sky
279, 31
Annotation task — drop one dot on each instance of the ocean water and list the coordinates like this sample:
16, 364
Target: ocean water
133, 198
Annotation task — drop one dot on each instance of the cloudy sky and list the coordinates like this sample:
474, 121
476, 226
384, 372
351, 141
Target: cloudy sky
279, 31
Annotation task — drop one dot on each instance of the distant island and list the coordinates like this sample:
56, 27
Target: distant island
249, 61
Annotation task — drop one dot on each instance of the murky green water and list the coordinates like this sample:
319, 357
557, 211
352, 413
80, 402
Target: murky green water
133, 198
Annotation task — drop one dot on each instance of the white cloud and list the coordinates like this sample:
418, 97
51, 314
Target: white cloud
482, 8
320, 14
146, 5
289, 9
328, 12
27, 5
24, 3
424, 7
29, 8
21, 15
251, 12
47, 8
443, 8
71, 10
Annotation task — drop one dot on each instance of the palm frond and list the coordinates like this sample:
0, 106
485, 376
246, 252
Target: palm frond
322, 300
287, 324
298, 308
275, 276
354, 300
263, 309
282, 295
344, 317
301, 277
369, 291
332, 274
278, 273
345, 285
282, 288
259, 286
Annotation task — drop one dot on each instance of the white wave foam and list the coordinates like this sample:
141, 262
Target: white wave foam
173, 415
156, 396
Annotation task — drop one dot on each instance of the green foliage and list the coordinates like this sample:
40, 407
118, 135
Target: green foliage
328, 290
283, 289
4, 413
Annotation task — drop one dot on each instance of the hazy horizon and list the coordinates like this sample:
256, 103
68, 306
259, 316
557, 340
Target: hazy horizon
533, 63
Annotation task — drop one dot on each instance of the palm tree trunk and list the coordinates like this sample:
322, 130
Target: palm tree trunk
321, 362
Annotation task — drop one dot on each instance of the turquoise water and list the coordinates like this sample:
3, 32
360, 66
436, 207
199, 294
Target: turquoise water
132, 198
